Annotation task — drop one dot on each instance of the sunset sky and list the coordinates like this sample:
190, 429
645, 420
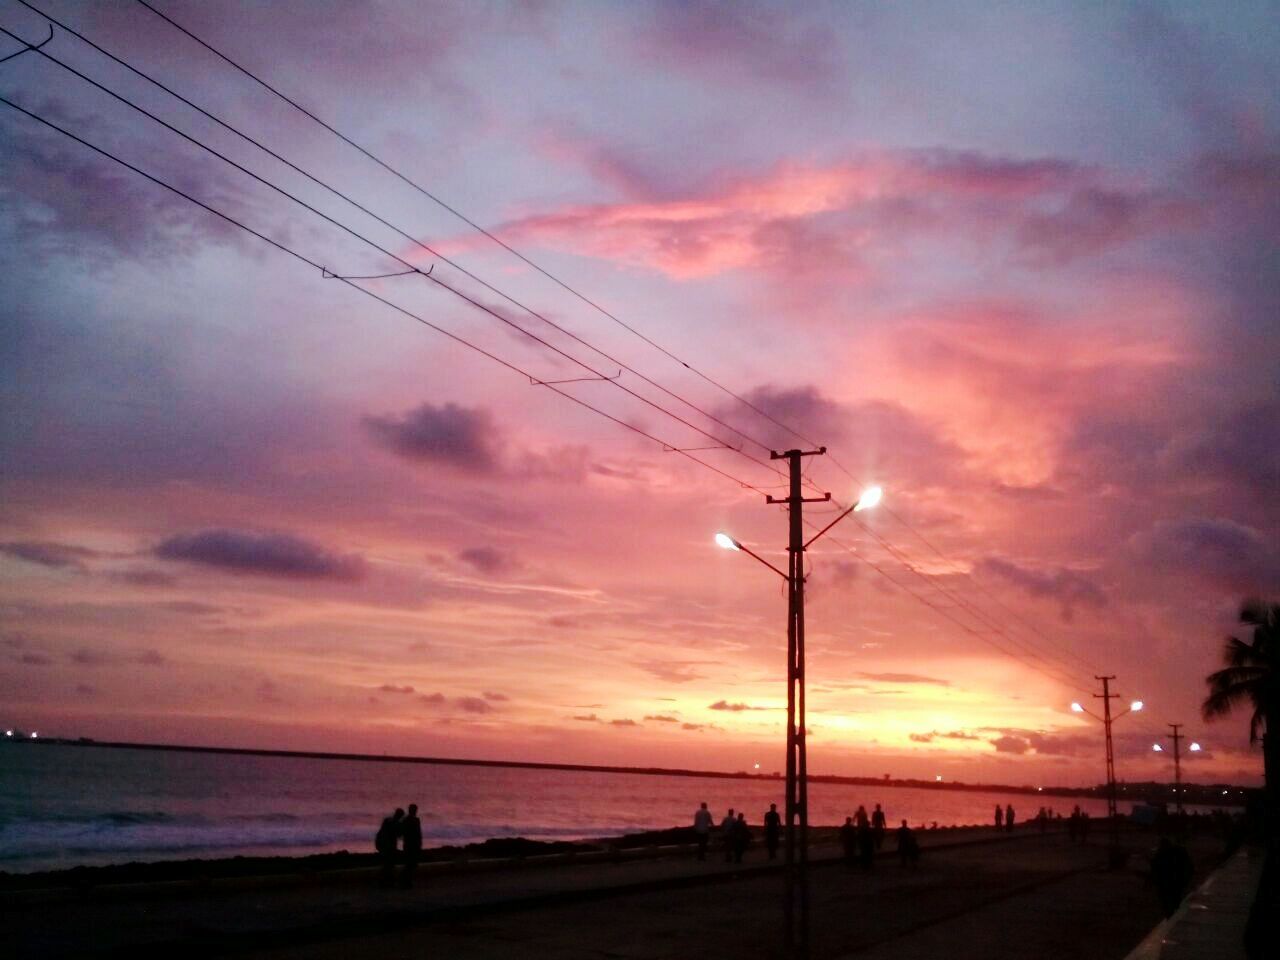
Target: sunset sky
1017, 263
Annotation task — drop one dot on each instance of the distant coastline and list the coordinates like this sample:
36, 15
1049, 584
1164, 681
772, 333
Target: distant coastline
1134, 792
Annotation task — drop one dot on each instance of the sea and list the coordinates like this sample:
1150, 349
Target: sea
64, 805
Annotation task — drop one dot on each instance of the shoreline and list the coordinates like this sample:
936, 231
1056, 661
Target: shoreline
1234, 799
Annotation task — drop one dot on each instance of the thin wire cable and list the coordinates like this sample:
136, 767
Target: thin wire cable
471, 223
406, 235
369, 293
412, 268
439, 201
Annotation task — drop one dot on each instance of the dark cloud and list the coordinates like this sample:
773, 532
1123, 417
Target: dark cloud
660, 718
144, 578
921, 737
733, 707
46, 554
587, 718
475, 705
936, 735
269, 554
87, 657
624, 723
450, 435
1069, 588
902, 678
496, 697
150, 658
1010, 744
432, 699
392, 688
33, 659
692, 726
1242, 447
488, 560
1221, 551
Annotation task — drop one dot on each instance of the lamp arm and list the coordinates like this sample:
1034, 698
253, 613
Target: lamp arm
829, 526
747, 550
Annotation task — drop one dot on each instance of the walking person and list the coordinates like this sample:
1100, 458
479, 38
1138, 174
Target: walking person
849, 842
1008, 818
877, 826
866, 844
999, 817
702, 829
411, 831
908, 847
385, 844
741, 837
772, 830
726, 834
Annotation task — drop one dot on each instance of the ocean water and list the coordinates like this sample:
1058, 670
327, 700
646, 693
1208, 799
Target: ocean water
61, 806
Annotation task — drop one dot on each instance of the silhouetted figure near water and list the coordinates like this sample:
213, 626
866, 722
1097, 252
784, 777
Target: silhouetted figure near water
1084, 827
866, 845
702, 829
849, 841
1171, 871
385, 843
1008, 818
411, 830
741, 837
999, 817
877, 826
1042, 820
772, 830
1073, 824
908, 847
726, 834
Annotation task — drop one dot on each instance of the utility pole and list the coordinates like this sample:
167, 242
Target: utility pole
1176, 737
797, 803
1106, 696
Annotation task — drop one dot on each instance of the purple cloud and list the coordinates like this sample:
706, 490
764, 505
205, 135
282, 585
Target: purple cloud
1069, 588
1229, 554
488, 560
902, 678
268, 554
733, 707
475, 705
1011, 744
46, 554
451, 435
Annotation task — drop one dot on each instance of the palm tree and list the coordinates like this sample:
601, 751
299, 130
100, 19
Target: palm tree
1251, 678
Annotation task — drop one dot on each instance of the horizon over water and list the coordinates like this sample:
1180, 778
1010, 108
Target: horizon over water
64, 806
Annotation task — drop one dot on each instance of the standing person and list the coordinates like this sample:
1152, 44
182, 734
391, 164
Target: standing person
411, 831
385, 844
1171, 870
999, 817
726, 834
741, 837
860, 818
866, 843
849, 841
877, 826
1073, 824
772, 829
1008, 817
702, 829
1084, 827
908, 848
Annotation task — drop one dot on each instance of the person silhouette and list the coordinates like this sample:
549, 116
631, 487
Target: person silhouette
1008, 817
1171, 871
999, 817
741, 837
866, 843
385, 843
877, 826
772, 829
411, 831
908, 847
726, 834
702, 829
849, 841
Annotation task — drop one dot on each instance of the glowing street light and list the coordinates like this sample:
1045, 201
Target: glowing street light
1195, 747
1076, 708
1157, 748
797, 802
1136, 706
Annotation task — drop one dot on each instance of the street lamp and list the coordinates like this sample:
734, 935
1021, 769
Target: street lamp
1176, 736
1107, 718
797, 800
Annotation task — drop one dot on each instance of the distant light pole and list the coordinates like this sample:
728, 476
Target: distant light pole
1194, 747
797, 800
1106, 696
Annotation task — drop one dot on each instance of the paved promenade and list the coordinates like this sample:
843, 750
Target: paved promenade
667, 905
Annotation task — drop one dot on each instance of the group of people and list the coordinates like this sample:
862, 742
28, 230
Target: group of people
735, 834
862, 835
1005, 817
399, 838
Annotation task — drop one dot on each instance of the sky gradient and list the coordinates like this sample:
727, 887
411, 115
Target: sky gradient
1016, 263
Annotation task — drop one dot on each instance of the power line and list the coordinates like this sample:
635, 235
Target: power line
474, 225
403, 233
369, 293
412, 268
